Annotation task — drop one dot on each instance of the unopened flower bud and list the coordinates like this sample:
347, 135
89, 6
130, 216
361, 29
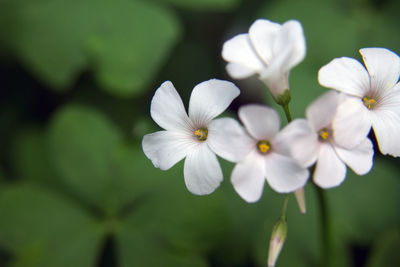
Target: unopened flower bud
301, 201
278, 238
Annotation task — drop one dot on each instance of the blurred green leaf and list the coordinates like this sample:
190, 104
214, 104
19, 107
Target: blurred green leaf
44, 229
205, 4
81, 145
31, 159
125, 41
385, 252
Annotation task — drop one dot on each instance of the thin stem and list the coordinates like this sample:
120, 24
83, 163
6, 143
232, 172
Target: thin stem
287, 112
285, 202
326, 229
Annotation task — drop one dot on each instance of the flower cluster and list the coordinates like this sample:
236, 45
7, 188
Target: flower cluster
333, 135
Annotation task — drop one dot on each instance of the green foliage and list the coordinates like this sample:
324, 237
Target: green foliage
205, 4
124, 42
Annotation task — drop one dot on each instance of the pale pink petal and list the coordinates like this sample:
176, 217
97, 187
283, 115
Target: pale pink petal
260, 121
238, 71
229, 140
167, 109
320, 113
346, 75
298, 140
386, 125
202, 171
352, 123
359, 159
283, 174
383, 67
209, 99
330, 171
166, 148
248, 177
262, 34
239, 50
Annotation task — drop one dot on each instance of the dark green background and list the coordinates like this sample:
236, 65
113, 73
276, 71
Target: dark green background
76, 190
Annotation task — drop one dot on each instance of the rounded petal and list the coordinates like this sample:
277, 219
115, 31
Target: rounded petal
330, 171
386, 125
248, 177
346, 75
229, 140
166, 148
298, 140
167, 109
283, 174
383, 67
320, 113
238, 71
209, 99
239, 50
293, 37
263, 34
360, 158
202, 171
260, 121
352, 123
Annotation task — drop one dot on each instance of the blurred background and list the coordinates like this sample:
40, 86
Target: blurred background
76, 190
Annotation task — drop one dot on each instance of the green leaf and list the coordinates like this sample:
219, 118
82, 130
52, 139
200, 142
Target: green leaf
81, 145
43, 229
124, 42
385, 252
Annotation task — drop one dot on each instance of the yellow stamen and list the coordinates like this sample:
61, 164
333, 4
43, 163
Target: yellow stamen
201, 134
369, 102
323, 134
263, 146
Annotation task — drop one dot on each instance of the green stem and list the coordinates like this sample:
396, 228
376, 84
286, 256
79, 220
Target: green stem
287, 112
326, 230
285, 202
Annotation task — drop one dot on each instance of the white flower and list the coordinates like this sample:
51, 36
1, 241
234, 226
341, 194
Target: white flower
268, 157
269, 50
311, 141
197, 136
374, 98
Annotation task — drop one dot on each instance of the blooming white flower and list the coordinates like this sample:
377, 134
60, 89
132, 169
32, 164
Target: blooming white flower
311, 141
267, 157
197, 136
374, 98
269, 50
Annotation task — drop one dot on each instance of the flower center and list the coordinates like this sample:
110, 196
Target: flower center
323, 134
369, 102
263, 146
201, 134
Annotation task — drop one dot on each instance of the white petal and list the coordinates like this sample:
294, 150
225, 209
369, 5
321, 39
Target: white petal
167, 109
238, 71
248, 177
360, 158
383, 67
260, 121
283, 174
293, 37
320, 113
239, 50
262, 34
166, 148
202, 171
209, 99
298, 140
330, 171
229, 140
346, 75
386, 124
352, 123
